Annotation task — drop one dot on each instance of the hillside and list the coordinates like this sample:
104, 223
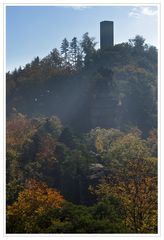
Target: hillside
81, 140
86, 88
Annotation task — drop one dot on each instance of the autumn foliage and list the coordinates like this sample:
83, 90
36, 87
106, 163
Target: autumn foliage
32, 203
133, 179
109, 176
81, 140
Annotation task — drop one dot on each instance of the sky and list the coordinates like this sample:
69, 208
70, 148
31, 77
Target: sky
33, 31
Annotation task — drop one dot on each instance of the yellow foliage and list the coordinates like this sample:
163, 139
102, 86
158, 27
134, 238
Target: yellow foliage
133, 181
35, 200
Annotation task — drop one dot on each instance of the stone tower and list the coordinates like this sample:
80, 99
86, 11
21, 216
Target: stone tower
106, 35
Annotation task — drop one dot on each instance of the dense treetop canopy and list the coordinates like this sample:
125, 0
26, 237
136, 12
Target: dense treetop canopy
72, 81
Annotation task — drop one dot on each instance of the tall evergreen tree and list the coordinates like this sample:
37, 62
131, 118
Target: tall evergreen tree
55, 58
65, 50
74, 50
88, 45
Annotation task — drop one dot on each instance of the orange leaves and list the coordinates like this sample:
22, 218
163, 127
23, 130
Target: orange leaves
18, 130
32, 204
47, 149
34, 200
42, 195
54, 199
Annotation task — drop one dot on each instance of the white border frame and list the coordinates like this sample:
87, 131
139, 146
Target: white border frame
3, 105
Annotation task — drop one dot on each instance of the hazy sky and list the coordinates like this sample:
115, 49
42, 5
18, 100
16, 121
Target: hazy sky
35, 30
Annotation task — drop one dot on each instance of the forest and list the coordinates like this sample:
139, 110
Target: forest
81, 140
